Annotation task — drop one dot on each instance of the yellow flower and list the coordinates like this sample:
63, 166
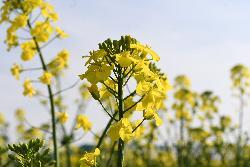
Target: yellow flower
240, 76
63, 117
2, 119
64, 54
143, 87
46, 78
61, 33
124, 59
20, 21
97, 73
93, 90
158, 120
11, 39
60, 62
20, 114
148, 114
89, 159
117, 62
28, 88
48, 11
29, 5
16, 70
122, 129
95, 56
185, 115
20, 128
151, 114
182, 81
4, 13
42, 31
28, 50
33, 133
146, 49
83, 122
225, 121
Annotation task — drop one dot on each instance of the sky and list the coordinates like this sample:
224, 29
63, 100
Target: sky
202, 39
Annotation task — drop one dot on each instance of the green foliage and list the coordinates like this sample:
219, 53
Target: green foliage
32, 154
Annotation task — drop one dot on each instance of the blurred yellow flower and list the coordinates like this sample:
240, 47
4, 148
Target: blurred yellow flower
28, 50
61, 33
28, 88
20, 21
63, 117
20, 114
2, 119
42, 31
89, 159
46, 78
83, 122
16, 70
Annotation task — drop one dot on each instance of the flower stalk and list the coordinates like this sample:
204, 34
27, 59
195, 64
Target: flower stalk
51, 100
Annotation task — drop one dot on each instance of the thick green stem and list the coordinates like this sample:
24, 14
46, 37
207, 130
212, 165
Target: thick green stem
51, 99
120, 153
120, 108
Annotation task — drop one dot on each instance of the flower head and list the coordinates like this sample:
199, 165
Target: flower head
20, 114
16, 70
89, 159
83, 122
28, 88
2, 119
122, 129
46, 78
42, 31
63, 117
28, 50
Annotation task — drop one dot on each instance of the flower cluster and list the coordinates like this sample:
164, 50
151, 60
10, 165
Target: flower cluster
112, 67
89, 159
83, 122
240, 76
185, 98
40, 32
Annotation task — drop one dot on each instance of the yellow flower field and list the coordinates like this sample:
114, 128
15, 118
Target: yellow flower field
148, 118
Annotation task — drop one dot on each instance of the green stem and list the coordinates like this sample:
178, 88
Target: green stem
120, 109
149, 149
239, 147
51, 99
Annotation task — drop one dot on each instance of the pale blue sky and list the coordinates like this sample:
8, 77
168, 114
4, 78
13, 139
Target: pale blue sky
200, 38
